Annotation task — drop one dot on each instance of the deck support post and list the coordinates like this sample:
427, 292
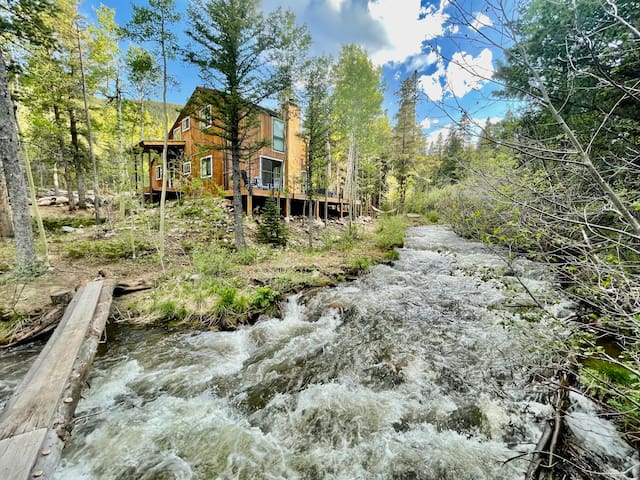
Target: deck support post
249, 205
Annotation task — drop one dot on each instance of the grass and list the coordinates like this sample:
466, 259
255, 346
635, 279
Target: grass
203, 282
390, 232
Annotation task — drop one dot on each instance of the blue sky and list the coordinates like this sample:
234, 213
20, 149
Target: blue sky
450, 45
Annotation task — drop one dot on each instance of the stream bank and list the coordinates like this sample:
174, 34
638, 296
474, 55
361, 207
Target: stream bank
430, 368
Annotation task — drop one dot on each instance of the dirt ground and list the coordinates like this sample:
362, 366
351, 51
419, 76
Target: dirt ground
187, 225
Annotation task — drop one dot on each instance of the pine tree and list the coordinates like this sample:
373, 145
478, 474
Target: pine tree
271, 228
408, 141
249, 58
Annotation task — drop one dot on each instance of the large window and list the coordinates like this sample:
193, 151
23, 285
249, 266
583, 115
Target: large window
186, 123
205, 167
206, 119
186, 168
278, 135
271, 172
176, 134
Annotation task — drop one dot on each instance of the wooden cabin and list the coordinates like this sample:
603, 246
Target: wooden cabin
198, 162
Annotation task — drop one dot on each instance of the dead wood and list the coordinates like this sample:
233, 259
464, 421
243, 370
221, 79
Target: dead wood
40, 327
123, 288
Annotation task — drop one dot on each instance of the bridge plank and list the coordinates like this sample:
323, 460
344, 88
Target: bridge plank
33, 404
18, 454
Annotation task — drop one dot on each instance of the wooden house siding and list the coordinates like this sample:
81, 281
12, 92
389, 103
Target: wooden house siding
198, 144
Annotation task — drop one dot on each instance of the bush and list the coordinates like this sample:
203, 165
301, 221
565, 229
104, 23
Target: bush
109, 249
264, 297
361, 263
212, 262
390, 233
54, 225
271, 228
247, 256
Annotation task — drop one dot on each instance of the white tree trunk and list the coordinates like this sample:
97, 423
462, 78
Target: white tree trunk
14, 176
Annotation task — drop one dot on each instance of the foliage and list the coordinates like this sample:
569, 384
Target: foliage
271, 228
390, 232
264, 298
408, 140
109, 249
212, 261
357, 104
55, 224
248, 57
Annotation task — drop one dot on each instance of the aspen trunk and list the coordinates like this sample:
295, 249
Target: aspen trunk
14, 176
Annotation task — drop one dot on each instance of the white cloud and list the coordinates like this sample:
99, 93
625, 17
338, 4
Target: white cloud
426, 124
336, 5
391, 30
432, 85
443, 132
417, 62
463, 74
481, 20
404, 28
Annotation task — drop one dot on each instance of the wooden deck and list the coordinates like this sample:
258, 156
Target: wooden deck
35, 422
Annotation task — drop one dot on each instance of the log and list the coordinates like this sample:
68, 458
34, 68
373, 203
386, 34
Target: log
44, 325
62, 425
123, 288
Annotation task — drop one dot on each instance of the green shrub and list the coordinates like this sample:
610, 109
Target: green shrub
55, 224
109, 249
169, 310
361, 263
212, 261
264, 297
392, 255
432, 216
390, 233
247, 256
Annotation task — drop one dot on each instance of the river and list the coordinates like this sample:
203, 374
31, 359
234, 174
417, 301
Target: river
430, 368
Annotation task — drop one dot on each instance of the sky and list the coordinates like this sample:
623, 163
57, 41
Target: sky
451, 46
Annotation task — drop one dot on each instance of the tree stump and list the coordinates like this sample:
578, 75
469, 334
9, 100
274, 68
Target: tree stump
61, 297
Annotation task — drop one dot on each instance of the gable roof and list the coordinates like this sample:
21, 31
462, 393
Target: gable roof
196, 102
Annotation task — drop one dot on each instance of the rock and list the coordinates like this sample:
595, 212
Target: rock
67, 229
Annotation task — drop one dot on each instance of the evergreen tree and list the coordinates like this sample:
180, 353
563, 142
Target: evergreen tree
271, 228
248, 58
408, 140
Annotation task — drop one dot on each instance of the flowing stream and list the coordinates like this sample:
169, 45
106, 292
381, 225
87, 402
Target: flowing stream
432, 368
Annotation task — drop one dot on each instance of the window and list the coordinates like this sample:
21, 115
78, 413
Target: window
186, 124
186, 168
278, 135
176, 134
206, 119
158, 173
270, 172
205, 167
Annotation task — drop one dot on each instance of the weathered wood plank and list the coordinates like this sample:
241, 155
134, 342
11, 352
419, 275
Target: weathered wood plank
62, 420
33, 404
18, 454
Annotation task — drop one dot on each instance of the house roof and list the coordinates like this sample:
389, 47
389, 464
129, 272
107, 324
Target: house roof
195, 102
158, 145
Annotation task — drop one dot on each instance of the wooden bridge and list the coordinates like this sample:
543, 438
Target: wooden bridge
36, 421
